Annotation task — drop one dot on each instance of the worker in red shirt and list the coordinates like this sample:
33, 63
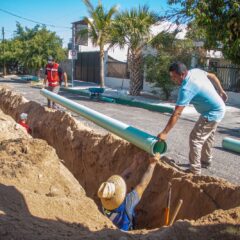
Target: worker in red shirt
23, 122
53, 76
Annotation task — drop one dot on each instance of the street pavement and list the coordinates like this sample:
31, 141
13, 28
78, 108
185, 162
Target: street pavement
226, 164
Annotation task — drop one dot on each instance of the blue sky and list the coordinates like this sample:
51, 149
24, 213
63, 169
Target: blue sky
60, 13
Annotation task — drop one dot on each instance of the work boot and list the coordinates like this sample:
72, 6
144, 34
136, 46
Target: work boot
206, 164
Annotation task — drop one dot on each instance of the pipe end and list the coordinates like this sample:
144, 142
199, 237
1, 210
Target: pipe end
160, 147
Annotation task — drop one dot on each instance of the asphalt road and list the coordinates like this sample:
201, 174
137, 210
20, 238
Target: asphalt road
225, 164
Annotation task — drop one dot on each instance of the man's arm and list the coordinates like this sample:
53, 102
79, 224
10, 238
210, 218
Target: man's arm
140, 188
218, 85
171, 122
45, 81
65, 79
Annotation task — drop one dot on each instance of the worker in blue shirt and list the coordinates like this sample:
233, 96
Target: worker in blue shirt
197, 88
117, 205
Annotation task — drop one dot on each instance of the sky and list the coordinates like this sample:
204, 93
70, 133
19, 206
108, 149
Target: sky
60, 13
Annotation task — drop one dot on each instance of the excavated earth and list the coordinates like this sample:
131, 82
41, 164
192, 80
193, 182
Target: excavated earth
48, 183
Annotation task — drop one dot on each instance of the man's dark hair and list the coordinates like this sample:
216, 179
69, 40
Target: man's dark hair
178, 67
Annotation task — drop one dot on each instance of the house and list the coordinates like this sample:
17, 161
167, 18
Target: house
116, 72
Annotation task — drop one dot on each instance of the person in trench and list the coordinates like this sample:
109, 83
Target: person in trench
118, 206
197, 88
53, 76
23, 122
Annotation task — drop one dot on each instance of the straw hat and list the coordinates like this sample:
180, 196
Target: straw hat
112, 193
23, 116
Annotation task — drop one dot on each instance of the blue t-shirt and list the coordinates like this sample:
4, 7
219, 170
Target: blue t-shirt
123, 215
198, 90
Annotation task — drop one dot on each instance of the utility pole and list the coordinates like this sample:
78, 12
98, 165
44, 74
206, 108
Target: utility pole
73, 49
3, 42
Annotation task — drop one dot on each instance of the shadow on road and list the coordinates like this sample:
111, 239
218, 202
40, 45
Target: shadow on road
233, 132
226, 150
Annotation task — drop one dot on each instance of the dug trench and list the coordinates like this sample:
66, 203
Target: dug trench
92, 158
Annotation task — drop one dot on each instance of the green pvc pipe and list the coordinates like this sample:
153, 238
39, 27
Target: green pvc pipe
143, 140
149, 106
107, 99
231, 144
128, 101
81, 92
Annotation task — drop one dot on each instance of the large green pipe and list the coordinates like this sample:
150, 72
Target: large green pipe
231, 144
139, 138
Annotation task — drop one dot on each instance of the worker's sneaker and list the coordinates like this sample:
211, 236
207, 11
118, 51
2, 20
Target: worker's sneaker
206, 164
188, 170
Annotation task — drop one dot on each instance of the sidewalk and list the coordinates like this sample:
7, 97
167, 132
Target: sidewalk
118, 96
146, 97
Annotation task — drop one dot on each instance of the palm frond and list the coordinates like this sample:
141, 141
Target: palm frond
88, 5
132, 27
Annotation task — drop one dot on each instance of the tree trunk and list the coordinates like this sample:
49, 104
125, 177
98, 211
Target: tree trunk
4, 69
238, 80
136, 74
102, 84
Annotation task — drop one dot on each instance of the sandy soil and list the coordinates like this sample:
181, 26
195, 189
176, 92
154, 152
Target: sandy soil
41, 199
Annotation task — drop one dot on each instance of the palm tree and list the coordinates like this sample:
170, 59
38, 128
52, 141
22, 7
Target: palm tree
99, 22
132, 28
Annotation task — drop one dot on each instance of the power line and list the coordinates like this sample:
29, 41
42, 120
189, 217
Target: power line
30, 20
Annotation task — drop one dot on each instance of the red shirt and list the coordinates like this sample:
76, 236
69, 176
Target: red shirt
54, 74
22, 123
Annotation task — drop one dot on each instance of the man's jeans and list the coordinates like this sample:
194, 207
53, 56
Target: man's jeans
201, 142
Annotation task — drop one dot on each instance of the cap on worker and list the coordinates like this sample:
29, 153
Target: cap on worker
23, 116
112, 192
50, 58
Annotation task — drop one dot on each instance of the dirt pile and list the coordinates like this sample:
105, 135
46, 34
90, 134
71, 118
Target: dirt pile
92, 158
39, 197
220, 225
